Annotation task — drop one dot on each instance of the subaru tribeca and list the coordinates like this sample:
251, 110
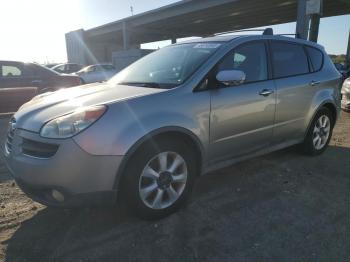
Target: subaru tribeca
180, 112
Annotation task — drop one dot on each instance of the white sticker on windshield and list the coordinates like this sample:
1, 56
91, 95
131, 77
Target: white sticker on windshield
207, 45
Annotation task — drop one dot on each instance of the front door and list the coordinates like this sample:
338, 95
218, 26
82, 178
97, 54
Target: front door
242, 116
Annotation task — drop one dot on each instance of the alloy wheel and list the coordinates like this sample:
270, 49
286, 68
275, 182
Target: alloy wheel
321, 132
163, 180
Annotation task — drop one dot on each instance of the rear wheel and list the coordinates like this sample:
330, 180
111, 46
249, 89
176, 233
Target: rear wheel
159, 178
320, 132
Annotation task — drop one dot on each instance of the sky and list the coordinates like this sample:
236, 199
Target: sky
34, 30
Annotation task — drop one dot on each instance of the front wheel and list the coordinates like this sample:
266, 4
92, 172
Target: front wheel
319, 133
159, 178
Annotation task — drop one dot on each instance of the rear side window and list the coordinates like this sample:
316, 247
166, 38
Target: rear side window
288, 59
316, 58
10, 71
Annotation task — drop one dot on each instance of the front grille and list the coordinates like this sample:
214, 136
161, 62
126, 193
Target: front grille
38, 149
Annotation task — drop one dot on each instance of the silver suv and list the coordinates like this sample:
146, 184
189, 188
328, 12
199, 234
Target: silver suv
180, 112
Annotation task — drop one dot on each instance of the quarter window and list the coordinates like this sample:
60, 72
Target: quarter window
249, 58
316, 58
288, 59
10, 71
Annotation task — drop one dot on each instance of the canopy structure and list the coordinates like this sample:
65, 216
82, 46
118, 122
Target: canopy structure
196, 18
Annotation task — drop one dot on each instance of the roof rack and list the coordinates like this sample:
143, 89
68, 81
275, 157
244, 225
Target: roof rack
267, 31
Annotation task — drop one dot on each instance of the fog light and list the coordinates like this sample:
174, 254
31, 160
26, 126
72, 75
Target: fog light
57, 195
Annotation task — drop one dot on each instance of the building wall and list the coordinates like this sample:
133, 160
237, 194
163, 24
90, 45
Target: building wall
85, 51
75, 44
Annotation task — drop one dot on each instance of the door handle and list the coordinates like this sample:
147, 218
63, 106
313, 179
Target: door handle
314, 83
37, 82
266, 92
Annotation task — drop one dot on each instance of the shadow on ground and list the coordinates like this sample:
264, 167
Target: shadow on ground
280, 207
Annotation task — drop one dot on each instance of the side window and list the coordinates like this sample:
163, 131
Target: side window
10, 71
288, 59
249, 58
60, 69
73, 67
108, 67
91, 69
316, 57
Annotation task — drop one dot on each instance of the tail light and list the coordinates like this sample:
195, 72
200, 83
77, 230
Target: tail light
77, 81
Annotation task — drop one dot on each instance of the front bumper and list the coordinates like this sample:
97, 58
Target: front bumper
81, 178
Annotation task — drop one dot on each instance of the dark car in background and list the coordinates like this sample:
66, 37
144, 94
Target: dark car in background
19, 82
67, 68
345, 71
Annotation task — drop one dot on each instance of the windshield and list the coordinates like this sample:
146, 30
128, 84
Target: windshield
167, 67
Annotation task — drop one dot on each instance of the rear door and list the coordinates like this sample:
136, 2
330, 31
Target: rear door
242, 116
14, 90
11, 74
295, 90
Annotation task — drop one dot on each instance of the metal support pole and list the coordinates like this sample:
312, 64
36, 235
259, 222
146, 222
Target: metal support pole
314, 27
302, 20
348, 53
126, 37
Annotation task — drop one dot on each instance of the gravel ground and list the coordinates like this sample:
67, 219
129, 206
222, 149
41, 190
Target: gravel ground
279, 207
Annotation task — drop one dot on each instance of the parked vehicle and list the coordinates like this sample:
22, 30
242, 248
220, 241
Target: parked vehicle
19, 82
51, 65
97, 73
67, 68
345, 72
185, 110
345, 94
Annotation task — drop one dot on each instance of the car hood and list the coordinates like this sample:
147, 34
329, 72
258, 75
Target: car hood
45, 107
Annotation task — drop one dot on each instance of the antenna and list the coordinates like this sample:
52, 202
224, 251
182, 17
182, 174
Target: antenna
132, 10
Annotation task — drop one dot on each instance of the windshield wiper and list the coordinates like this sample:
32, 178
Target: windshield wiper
142, 84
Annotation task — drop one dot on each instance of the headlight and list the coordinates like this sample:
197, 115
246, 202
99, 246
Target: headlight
73, 123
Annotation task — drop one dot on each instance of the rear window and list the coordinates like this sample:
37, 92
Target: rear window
288, 59
316, 58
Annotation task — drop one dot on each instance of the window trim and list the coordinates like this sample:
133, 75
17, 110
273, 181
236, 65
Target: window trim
292, 43
307, 53
215, 67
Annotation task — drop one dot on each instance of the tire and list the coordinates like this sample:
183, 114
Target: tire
321, 144
139, 179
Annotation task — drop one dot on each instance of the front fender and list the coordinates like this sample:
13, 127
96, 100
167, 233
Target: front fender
126, 123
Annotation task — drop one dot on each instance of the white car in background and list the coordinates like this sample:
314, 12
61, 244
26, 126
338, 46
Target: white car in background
96, 73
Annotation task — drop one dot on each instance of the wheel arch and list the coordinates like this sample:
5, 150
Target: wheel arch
330, 106
170, 131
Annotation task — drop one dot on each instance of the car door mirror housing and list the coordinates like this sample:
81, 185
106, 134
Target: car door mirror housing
231, 77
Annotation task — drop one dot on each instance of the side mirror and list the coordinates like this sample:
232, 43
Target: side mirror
231, 77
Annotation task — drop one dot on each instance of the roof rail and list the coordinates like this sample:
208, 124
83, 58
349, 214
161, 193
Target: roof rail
267, 31
296, 35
